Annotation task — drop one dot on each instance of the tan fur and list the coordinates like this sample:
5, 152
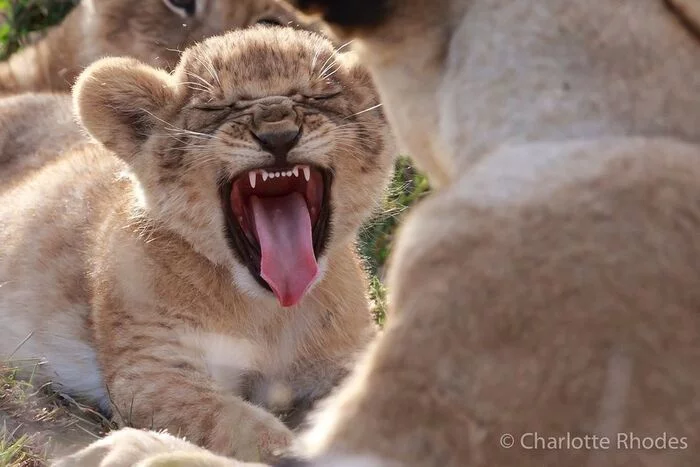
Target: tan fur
36, 128
144, 29
115, 270
549, 285
130, 447
688, 11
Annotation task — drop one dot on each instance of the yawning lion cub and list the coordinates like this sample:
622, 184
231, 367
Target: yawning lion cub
196, 263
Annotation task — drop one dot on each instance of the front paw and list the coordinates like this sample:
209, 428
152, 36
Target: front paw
125, 448
192, 459
260, 437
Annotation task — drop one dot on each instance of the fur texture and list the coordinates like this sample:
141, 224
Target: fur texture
153, 31
36, 128
115, 269
549, 285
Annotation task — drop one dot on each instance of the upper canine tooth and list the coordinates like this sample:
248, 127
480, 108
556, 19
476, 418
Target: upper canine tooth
252, 175
265, 175
307, 172
295, 171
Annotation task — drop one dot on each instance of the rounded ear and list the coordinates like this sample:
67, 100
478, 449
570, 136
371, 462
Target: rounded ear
118, 99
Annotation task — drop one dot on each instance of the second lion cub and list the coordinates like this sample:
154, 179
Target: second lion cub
153, 31
197, 262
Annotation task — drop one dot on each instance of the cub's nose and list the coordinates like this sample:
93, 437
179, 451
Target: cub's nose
278, 142
275, 127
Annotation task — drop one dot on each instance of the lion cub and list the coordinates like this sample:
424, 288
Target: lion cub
196, 265
153, 31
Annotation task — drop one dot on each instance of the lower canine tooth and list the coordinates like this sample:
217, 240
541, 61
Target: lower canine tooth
252, 176
307, 173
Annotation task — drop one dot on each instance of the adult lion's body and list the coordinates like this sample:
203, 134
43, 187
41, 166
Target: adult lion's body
547, 285
139, 267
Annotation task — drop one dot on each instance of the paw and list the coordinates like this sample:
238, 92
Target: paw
192, 459
261, 438
128, 447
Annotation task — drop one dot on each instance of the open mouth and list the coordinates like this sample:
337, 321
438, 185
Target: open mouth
277, 221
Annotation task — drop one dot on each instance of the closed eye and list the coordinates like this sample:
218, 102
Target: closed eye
322, 97
213, 108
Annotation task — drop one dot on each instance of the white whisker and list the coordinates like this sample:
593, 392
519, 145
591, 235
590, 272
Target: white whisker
363, 111
331, 72
203, 81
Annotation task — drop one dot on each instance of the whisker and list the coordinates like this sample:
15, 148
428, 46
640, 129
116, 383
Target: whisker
209, 68
202, 80
344, 45
195, 134
214, 73
185, 132
331, 72
323, 67
196, 86
352, 151
363, 111
314, 59
326, 65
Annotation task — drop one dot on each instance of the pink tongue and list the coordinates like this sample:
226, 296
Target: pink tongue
288, 262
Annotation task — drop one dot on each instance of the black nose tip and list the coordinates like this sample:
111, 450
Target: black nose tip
278, 143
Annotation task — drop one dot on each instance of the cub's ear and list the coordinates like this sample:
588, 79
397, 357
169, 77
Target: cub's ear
118, 101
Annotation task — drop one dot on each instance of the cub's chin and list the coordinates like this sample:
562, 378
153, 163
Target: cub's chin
278, 224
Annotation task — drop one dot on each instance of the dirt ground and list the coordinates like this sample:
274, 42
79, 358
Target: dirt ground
37, 425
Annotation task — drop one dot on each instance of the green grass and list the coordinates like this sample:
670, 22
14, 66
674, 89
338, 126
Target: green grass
406, 188
17, 451
36, 421
21, 21
15, 448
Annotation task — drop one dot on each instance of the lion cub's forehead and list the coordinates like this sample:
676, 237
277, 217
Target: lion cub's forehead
270, 58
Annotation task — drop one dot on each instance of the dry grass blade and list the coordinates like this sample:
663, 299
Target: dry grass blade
38, 424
